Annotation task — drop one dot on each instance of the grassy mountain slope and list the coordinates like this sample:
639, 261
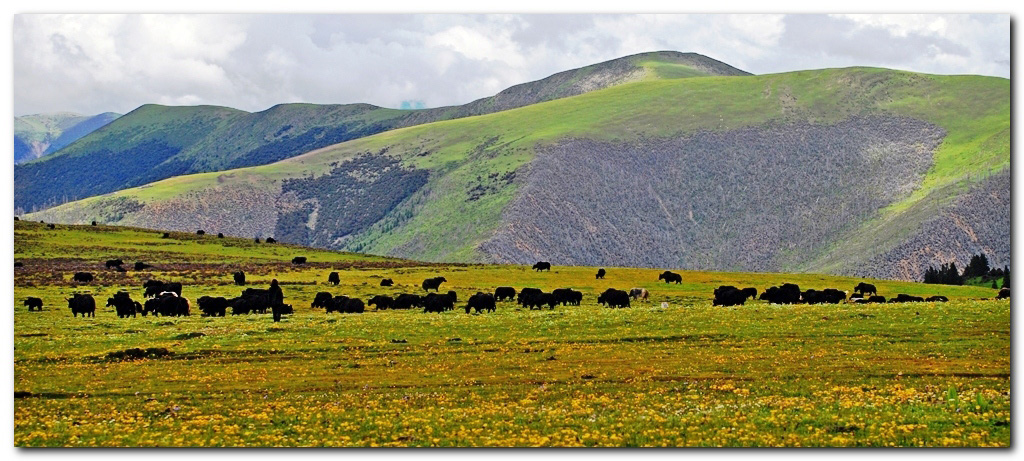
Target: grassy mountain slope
42, 134
216, 138
477, 165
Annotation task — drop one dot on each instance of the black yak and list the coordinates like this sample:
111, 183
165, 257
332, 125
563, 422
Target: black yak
937, 299
434, 302
155, 288
727, 295
321, 300
333, 278
600, 274
139, 265
433, 283
407, 301
239, 278
33, 303
504, 294
386, 282
542, 266
82, 304
480, 302
382, 302
865, 288
168, 304
211, 306
297, 259
614, 298
114, 263
83, 277
124, 305
1003, 293
271, 240
671, 277
200, 232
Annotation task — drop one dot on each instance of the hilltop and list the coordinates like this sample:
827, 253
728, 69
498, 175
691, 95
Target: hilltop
857, 171
156, 142
43, 134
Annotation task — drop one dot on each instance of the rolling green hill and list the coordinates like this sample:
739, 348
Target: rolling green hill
836, 170
156, 142
43, 134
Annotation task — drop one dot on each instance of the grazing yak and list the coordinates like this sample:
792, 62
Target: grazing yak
639, 294
535, 299
865, 288
600, 274
239, 278
526, 293
788, 293
480, 302
168, 304
200, 232
321, 300
124, 305
220, 235
504, 294
333, 278
383, 302
1003, 293
114, 263
727, 295
82, 304
166, 235
613, 298
434, 302
271, 240
937, 299
298, 259
213, 306
671, 277
826, 296
407, 301
83, 277
252, 301
905, 298
869, 300
386, 282
433, 283
51, 226
345, 305
139, 266
33, 303
256, 240
542, 266
568, 296
94, 223
156, 287
19, 264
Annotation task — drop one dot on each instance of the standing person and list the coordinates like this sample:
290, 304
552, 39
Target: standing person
276, 299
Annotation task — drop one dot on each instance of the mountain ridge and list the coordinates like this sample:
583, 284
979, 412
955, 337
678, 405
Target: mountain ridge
477, 167
159, 142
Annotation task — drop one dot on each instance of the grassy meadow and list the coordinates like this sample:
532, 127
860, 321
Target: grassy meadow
689, 374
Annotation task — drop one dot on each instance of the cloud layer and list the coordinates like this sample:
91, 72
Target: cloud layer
99, 63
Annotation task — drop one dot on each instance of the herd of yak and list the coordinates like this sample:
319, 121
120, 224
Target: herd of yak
165, 299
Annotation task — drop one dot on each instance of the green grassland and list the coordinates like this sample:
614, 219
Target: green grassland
921, 374
439, 224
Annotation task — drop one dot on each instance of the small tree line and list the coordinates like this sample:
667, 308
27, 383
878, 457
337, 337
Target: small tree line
977, 268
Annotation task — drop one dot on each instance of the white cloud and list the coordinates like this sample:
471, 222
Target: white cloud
97, 63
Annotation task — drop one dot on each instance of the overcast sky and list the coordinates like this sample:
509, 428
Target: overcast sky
99, 63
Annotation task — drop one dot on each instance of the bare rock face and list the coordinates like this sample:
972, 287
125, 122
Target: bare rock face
756, 199
977, 222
